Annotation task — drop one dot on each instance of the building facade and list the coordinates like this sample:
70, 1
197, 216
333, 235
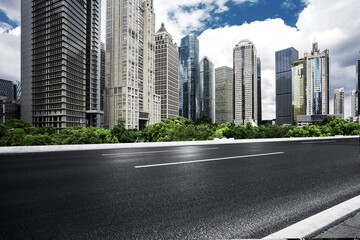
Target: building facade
317, 81
8, 89
207, 88
102, 84
60, 63
259, 103
339, 98
357, 113
189, 75
167, 73
283, 64
224, 77
298, 90
354, 103
130, 61
245, 98
9, 109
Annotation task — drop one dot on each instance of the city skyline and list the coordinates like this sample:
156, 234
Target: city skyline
279, 30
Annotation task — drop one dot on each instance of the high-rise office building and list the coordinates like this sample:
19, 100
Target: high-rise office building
224, 77
298, 90
167, 73
283, 64
357, 112
60, 51
339, 97
207, 88
102, 83
317, 81
354, 103
259, 104
8, 89
245, 83
130, 61
189, 75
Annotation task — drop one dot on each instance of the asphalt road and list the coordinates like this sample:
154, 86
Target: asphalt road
124, 194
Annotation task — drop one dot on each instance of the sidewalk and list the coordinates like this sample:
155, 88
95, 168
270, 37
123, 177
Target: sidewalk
350, 228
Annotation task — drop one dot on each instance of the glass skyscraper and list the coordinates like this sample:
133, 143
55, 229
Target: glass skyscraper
207, 88
189, 73
317, 81
298, 90
8, 89
259, 90
283, 64
60, 63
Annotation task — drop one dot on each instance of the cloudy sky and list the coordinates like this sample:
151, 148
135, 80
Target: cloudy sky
220, 24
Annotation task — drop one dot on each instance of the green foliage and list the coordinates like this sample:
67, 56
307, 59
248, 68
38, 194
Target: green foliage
203, 119
16, 123
123, 135
19, 133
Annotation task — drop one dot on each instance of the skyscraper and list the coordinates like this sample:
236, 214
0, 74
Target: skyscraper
298, 90
354, 103
224, 77
8, 89
167, 73
207, 88
60, 64
102, 82
189, 106
245, 83
317, 81
259, 90
357, 112
130, 76
339, 101
283, 64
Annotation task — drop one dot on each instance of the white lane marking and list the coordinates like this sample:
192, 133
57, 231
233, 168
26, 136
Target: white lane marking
209, 160
315, 142
182, 150
320, 221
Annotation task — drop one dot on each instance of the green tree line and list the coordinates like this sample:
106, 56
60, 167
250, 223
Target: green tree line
19, 133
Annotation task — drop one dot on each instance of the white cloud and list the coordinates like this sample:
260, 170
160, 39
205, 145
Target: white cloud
10, 52
335, 26
11, 9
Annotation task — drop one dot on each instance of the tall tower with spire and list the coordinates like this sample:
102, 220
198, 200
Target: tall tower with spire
167, 73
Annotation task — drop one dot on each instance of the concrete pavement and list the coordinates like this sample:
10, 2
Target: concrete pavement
348, 228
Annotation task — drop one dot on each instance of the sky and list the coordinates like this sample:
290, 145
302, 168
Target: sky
271, 25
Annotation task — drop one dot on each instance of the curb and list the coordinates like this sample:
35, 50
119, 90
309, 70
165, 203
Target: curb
58, 148
320, 222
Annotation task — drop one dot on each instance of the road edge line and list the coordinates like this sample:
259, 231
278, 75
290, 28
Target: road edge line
112, 146
319, 222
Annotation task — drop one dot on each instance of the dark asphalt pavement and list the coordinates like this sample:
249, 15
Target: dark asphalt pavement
100, 194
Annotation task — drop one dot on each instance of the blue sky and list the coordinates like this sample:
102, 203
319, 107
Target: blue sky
271, 25
249, 12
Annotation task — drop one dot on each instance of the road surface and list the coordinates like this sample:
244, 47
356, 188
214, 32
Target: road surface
186, 192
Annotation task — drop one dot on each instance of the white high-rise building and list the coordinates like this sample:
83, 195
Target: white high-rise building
245, 83
339, 97
317, 81
130, 61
